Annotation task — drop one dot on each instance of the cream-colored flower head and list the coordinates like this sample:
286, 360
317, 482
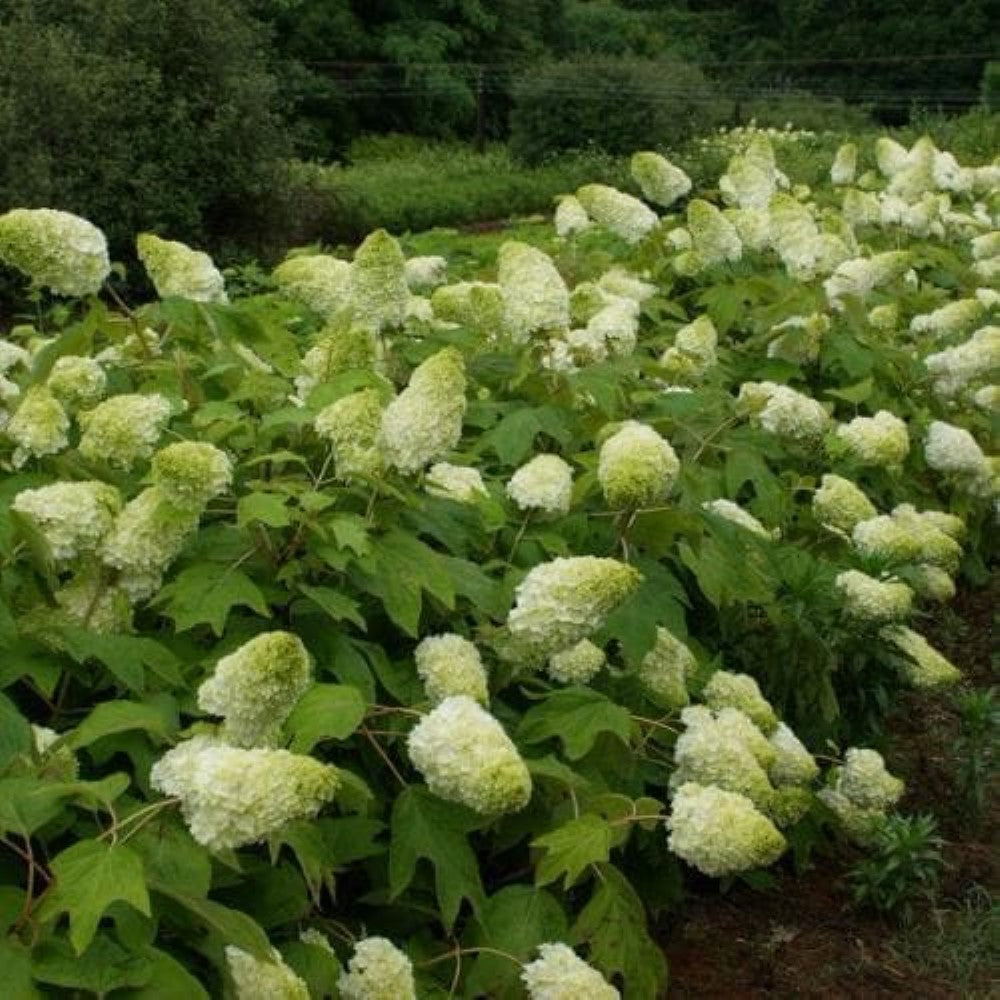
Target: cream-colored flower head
624, 215
319, 281
845, 164
740, 691
123, 429
666, 670
424, 422
659, 180
560, 974
636, 467
377, 289
535, 297
563, 601
579, 664
175, 269
72, 517
783, 411
880, 440
353, 427
377, 970
450, 665
570, 216
465, 756
256, 687
713, 236
461, 483
545, 484
840, 505
721, 833
425, 272
258, 980
921, 665
231, 797
77, 381
190, 473
733, 512
56, 250
872, 601
39, 426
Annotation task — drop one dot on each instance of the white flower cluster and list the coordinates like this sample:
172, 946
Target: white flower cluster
560, 974
880, 440
714, 239
874, 602
570, 216
353, 427
720, 832
123, 429
231, 797
577, 665
798, 339
922, 666
72, 517
256, 687
424, 422
319, 281
257, 980
622, 214
860, 275
377, 970
190, 473
461, 483
783, 411
544, 484
840, 505
734, 513
478, 305
563, 601
377, 291
176, 269
692, 353
425, 272
535, 297
666, 670
450, 665
659, 180
56, 250
636, 467
952, 318
77, 381
39, 426
861, 793
909, 536
845, 164
955, 452
740, 691
465, 756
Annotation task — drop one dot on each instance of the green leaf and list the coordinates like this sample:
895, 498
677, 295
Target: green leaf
513, 439
232, 926
856, 393
316, 965
168, 980
576, 716
158, 717
15, 960
572, 847
205, 593
305, 839
424, 826
352, 838
335, 603
103, 967
15, 733
171, 856
515, 920
266, 508
350, 532
88, 878
29, 803
124, 655
613, 926
325, 712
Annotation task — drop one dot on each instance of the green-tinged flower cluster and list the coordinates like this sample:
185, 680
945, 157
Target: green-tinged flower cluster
560, 974
799, 338
931, 583
793, 765
77, 381
861, 792
425, 272
377, 970
461, 483
953, 369
721, 833
89, 600
579, 664
845, 164
190, 473
874, 602
733, 512
72, 517
258, 980
907, 536
622, 214
123, 429
840, 505
424, 422
377, 288
353, 427
952, 318
879, 440
255, 688
740, 691
545, 484
636, 467
659, 180
319, 281
450, 665
921, 665
666, 670
714, 239
465, 756
177, 270
56, 250
39, 426
858, 276
954, 451
784, 411
58, 763
146, 537
535, 297
692, 353
478, 305
570, 217
231, 797
563, 601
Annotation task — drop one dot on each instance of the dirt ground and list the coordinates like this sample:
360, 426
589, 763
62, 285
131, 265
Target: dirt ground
803, 939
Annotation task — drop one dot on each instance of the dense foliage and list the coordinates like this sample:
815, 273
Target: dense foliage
381, 636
